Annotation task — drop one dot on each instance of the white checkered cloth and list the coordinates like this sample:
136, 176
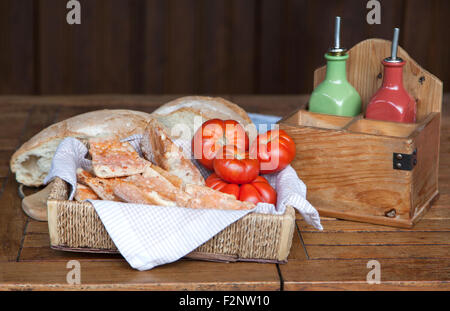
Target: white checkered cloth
148, 236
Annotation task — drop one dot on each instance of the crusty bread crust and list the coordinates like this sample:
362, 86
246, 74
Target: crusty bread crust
113, 158
205, 197
84, 193
102, 187
157, 147
174, 180
207, 107
31, 162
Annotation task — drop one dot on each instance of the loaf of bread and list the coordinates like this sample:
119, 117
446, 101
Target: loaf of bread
31, 162
179, 116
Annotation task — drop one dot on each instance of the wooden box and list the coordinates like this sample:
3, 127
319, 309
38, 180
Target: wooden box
365, 170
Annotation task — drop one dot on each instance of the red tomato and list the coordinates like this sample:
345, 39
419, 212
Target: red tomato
274, 149
257, 191
234, 165
213, 135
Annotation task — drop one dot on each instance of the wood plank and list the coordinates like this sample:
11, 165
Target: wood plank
40, 118
86, 58
243, 50
424, 43
36, 247
181, 275
298, 70
4, 161
17, 39
444, 194
271, 48
153, 62
297, 251
54, 50
104, 101
438, 212
12, 221
378, 251
36, 240
12, 218
7, 144
35, 226
12, 123
182, 50
213, 39
423, 225
395, 274
376, 238
46, 254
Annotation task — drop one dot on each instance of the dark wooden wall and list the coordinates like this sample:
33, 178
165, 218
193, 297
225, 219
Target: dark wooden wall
199, 46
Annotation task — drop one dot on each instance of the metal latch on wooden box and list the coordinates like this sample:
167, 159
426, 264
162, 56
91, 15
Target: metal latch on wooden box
404, 161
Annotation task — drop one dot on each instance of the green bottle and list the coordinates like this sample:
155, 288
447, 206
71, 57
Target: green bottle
335, 95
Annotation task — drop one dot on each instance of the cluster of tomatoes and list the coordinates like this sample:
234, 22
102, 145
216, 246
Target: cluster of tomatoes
223, 146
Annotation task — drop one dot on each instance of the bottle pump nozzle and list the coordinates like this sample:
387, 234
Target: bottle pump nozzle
394, 48
337, 49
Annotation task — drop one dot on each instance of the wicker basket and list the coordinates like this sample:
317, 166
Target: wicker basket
75, 226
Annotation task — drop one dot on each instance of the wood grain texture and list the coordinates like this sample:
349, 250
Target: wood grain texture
91, 57
354, 169
352, 275
422, 42
17, 41
157, 46
425, 174
12, 221
181, 275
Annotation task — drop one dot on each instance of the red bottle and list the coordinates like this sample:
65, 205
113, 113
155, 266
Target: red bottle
392, 102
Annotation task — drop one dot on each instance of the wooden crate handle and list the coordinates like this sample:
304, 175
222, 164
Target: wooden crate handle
364, 72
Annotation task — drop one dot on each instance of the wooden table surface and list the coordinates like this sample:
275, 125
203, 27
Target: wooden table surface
334, 259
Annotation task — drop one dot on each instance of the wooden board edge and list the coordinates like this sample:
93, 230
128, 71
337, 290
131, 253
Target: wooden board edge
377, 220
286, 234
52, 214
84, 250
